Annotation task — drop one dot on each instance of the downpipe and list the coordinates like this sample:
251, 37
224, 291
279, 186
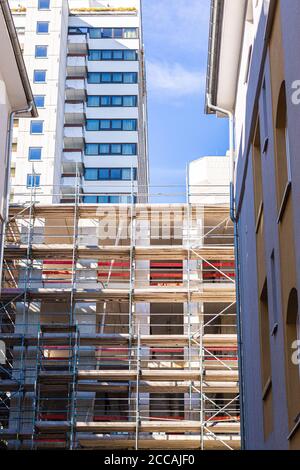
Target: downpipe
237, 262
6, 189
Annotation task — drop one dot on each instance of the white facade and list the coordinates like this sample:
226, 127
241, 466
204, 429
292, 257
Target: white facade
71, 146
209, 180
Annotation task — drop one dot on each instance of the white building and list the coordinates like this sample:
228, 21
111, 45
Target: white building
85, 62
209, 180
15, 96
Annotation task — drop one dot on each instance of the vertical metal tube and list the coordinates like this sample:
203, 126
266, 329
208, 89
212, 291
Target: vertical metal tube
237, 263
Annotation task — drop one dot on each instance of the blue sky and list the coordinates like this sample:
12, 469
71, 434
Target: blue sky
176, 39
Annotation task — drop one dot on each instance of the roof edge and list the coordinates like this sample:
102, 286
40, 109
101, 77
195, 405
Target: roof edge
214, 40
18, 55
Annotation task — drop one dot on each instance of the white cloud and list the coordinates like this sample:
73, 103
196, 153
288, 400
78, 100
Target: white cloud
172, 79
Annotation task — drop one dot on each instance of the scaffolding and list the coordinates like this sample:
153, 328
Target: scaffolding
119, 325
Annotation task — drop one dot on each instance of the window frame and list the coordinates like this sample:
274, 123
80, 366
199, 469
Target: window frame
41, 71
30, 159
35, 180
41, 56
38, 23
34, 122
40, 7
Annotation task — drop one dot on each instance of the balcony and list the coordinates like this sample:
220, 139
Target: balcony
68, 185
72, 161
74, 113
77, 44
73, 136
76, 66
75, 89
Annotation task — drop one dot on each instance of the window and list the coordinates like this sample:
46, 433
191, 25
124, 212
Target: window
117, 33
114, 101
36, 127
33, 181
106, 174
111, 125
41, 52
111, 149
78, 30
114, 77
130, 77
108, 199
39, 101
42, 27
44, 5
90, 199
35, 153
91, 174
129, 101
39, 76
92, 149
130, 33
115, 54
282, 154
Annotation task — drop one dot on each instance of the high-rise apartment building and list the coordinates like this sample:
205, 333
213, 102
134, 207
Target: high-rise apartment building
85, 62
254, 73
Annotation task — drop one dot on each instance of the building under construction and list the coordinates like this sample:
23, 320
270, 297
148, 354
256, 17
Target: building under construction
118, 326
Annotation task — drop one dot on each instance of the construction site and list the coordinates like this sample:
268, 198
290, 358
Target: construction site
119, 324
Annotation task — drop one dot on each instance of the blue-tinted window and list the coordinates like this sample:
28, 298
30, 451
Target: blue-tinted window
103, 199
90, 199
107, 33
106, 77
129, 55
93, 101
35, 153
129, 101
39, 101
105, 55
92, 125
116, 149
130, 77
115, 174
104, 174
112, 77
112, 54
117, 33
92, 149
39, 76
111, 149
41, 51
44, 4
33, 180
36, 127
78, 30
117, 77
42, 27
91, 174
104, 149
128, 149
118, 101
111, 124
95, 33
